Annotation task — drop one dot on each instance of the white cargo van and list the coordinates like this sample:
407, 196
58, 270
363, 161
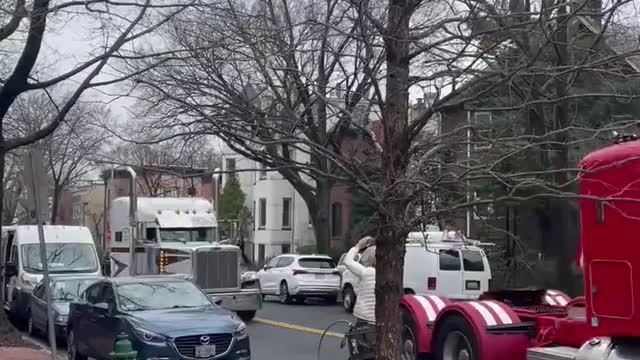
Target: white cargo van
456, 269
70, 250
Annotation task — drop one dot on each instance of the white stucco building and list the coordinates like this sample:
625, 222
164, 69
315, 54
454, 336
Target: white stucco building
280, 215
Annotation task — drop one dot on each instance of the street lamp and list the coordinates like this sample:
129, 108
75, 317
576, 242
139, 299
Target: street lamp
216, 177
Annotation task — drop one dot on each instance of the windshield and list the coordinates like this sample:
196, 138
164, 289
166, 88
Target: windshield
187, 235
160, 295
69, 290
61, 258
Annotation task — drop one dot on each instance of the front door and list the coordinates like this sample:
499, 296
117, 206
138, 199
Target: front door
449, 280
106, 323
267, 280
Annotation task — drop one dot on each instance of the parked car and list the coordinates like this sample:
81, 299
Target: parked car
296, 277
64, 290
165, 317
454, 269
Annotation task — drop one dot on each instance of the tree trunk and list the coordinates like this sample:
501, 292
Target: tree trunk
320, 217
392, 228
3, 318
54, 205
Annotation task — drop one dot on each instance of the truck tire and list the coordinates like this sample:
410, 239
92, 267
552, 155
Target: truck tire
348, 299
247, 315
409, 345
455, 339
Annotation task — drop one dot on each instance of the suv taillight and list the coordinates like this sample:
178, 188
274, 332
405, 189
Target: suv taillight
431, 283
299, 272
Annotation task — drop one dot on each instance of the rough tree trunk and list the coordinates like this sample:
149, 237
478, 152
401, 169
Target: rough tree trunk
320, 217
3, 317
391, 231
54, 206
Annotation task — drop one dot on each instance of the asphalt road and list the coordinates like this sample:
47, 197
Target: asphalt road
291, 332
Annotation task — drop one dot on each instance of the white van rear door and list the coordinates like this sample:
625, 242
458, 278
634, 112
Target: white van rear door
449, 280
475, 274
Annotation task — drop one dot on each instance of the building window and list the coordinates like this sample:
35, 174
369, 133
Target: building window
261, 254
263, 171
118, 236
483, 123
286, 213
286, 249
262, 213
253, 214
336, 220
231, 165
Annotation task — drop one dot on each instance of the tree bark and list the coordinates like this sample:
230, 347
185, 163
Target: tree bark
54, 205
392, 229
320, 218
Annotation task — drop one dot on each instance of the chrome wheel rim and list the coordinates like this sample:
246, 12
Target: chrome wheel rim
408, 350
284, 293
456, 347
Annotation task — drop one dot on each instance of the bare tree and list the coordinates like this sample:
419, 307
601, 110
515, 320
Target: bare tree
290, 74
260, 78
68, 149
24, 68
165, 167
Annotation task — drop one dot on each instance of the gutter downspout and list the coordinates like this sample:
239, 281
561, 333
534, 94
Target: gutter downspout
215, 179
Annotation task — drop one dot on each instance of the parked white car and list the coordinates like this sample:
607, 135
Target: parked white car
454, 269
296, 277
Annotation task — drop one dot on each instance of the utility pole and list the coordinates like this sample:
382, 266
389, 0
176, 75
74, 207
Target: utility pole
36, 178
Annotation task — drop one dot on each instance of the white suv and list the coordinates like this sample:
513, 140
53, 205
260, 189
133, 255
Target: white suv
295, 277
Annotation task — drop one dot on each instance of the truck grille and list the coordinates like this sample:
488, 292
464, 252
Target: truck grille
217, 269
186, 345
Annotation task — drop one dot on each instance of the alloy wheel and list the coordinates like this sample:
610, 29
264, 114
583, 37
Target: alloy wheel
284, 293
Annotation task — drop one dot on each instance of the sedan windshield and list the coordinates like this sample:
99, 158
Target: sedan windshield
160, 295
61, 258
187, 235
69, 290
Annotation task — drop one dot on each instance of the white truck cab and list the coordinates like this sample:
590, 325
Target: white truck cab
70, 250
177, 236
457, 269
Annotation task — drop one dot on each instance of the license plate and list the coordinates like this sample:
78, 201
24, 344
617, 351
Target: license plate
319, 276
204, 351
473, 285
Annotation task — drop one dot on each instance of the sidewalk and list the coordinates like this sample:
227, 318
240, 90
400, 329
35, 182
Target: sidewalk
16, 353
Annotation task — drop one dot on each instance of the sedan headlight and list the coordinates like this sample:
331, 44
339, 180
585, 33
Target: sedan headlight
61, 319
149, 336
241, 332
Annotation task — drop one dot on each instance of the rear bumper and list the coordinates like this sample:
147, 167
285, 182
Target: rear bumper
243, 300
308, 290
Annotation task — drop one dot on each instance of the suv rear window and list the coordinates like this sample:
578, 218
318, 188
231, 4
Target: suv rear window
449, 260
472, 260
316, 263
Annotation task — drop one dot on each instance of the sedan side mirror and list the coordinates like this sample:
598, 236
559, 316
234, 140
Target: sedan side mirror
265, 268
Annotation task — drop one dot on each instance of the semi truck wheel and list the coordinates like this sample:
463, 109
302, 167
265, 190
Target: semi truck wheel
455, 340
247, 315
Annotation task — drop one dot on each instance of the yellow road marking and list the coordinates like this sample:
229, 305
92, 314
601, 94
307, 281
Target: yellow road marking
296, 327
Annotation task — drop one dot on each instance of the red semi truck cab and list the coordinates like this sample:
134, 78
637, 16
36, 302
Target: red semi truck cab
545, 324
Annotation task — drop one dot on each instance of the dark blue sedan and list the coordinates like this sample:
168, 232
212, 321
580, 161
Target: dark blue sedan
164, 317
